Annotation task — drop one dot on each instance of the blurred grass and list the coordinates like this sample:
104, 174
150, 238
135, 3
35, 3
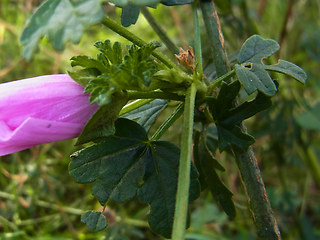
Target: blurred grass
39, 200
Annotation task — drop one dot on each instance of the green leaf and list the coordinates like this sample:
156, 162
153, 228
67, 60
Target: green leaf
84, 76
59, 21
94, 220
111, 53
310, 119
130, 15
116, 164
252, 71
87, 62
207, 166
233, 136
101, 124
226, 97
127, 162
115, 74
228, 117
148, 113
255, 78
176, 2
256, 48
289, 69
159, 189
247, 110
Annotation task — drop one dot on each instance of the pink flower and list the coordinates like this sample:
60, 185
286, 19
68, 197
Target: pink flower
41, 110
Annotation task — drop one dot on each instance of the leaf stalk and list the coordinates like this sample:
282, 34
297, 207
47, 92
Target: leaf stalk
164, 127
159, 31
217, 81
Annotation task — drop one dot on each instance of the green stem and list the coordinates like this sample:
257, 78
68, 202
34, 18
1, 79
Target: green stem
217, 81
264, 219
197, 38
134, 105
182, 198
154, 95
159, 31
164, 127
122, 31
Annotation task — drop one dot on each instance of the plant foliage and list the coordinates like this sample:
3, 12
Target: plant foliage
127, 164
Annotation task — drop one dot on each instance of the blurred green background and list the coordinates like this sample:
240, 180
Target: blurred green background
39, 200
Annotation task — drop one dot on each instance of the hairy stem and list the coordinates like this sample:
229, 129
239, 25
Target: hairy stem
159, 31
182, 198
122, 31
264, 219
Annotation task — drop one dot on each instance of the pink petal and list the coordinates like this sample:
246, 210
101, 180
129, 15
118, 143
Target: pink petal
40, 110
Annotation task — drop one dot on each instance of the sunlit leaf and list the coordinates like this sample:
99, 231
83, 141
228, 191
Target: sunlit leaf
59, 21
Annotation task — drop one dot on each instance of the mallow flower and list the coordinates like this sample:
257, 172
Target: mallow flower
40, 110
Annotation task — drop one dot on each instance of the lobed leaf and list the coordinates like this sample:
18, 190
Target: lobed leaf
116, 164
95, 221
228, 118
256, 48
255, 79
60, 21
252, 71
126, 163
87, 62
110, 73
289, 69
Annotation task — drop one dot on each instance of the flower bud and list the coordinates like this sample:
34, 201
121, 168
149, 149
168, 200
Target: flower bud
40, 110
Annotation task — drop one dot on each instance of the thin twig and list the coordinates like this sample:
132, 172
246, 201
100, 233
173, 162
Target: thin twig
159, 31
